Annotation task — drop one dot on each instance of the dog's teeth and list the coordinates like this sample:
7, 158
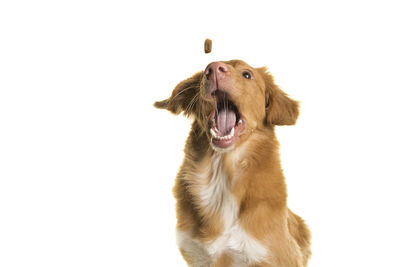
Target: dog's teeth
213, 133
240, 121
226, 137
232, 132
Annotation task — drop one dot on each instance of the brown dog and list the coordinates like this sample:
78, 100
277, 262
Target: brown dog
230, 190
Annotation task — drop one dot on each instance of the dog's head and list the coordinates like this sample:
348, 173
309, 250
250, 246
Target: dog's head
230, 100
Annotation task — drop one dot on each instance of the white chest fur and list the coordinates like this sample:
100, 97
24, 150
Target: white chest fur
216, 197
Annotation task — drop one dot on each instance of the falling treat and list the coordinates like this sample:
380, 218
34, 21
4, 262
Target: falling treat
207, 46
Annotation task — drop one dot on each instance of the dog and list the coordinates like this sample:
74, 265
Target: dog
230, 190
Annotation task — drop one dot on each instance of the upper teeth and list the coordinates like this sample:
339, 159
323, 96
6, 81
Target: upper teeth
226, 137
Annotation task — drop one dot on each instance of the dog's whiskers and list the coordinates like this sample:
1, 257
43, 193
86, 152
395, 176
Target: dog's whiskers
192, 103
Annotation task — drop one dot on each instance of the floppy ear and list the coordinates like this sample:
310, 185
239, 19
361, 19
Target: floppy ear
183, 96
280, 109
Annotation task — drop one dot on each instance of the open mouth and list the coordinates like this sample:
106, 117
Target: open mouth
226, 122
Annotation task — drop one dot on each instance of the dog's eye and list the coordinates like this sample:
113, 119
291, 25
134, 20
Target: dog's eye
247, 75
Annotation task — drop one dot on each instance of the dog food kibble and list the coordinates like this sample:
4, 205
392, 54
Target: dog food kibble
207, 46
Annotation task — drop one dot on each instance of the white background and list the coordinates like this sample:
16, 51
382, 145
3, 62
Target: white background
87, 164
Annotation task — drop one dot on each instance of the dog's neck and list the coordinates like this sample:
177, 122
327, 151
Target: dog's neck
257, 158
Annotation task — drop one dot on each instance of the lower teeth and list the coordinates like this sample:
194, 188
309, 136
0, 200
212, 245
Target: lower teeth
226, 137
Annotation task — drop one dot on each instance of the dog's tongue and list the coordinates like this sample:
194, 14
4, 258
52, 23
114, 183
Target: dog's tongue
226, 120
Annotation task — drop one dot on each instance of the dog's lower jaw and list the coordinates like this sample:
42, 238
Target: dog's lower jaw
219, 149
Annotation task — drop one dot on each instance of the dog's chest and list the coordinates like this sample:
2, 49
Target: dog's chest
216, 194
216, 197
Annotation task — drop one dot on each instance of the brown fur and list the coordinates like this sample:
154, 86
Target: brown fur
252, 167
